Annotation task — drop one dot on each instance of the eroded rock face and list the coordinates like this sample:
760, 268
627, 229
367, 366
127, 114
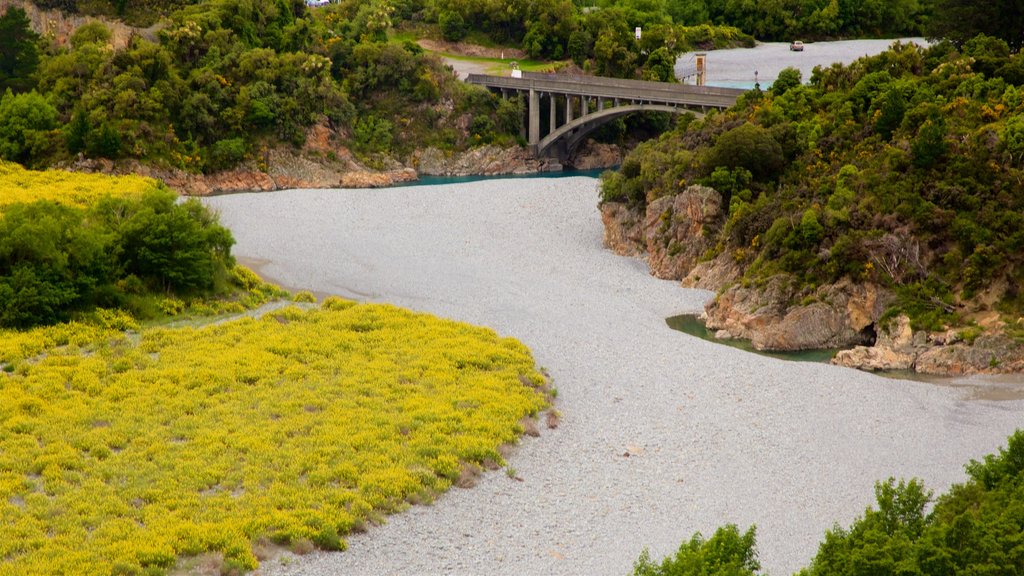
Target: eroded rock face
941, 353
678, 230
482, 160
989, 354
835, 316
592, 155
623, 229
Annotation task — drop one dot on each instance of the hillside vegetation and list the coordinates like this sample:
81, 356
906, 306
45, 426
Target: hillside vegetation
902, 169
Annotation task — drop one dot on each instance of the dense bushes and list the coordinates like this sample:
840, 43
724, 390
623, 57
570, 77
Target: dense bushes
901, 169
58, 259
225, 79
974, 528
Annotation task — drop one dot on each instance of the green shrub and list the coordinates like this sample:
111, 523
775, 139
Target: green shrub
226, 153
727, 553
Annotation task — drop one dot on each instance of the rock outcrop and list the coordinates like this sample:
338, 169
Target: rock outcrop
939, 353
486, 160
593, 155
832, 316
674, 231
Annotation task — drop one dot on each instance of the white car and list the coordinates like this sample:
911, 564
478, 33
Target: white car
796, 46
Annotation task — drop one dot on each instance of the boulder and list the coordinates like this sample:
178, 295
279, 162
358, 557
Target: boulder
874, 359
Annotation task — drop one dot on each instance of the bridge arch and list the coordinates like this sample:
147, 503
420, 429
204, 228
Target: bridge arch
565, 138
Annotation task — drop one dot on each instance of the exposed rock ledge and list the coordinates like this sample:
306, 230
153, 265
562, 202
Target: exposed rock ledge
674, 233
335, 167
900, 348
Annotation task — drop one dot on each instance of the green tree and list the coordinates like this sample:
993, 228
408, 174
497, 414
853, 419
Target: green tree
789, 77
170, 246
19, 55
961, 20
26, 121
453, 27
727, 553
51, 263
747, 146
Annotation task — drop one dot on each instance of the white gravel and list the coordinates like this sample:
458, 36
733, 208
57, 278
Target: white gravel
715, 435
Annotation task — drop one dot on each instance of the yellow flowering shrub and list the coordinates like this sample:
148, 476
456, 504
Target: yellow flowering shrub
18, 185
122, 451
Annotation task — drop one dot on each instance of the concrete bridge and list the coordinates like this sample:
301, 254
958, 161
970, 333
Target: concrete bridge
590, 101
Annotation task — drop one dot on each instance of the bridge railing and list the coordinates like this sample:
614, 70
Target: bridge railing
639, 84
624, 90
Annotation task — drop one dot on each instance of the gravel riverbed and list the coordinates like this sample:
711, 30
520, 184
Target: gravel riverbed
736, 67
662, 434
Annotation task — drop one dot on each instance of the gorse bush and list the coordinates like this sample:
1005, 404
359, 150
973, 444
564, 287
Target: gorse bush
120, 454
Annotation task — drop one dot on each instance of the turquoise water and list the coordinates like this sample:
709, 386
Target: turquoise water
689, 324
439, 180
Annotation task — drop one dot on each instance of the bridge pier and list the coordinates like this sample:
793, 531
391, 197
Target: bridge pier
534, 112
552, 124
568, 108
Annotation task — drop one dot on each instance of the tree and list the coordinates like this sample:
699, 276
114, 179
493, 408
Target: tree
19, 55
789, 77
25, 122
453, 27
727, 553
748, 146
170, 246
961, 20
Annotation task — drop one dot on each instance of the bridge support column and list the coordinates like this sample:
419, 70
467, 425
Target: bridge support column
600, 104
568, 108
552, 124
534, 111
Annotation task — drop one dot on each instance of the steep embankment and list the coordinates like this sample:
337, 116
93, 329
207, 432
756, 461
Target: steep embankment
878, 207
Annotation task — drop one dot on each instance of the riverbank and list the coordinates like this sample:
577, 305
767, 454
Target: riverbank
661, 435
322, 163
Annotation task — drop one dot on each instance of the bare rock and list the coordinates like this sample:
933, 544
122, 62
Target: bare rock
623, 230
835, 316
723, 270
592, 155
990, 354
677, 230
874, 359
482, 160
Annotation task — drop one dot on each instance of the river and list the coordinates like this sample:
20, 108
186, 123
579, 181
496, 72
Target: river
662, 434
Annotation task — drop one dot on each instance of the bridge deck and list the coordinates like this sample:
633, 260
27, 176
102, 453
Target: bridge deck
614, 88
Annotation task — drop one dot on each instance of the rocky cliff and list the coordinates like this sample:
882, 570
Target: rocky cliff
676, 233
